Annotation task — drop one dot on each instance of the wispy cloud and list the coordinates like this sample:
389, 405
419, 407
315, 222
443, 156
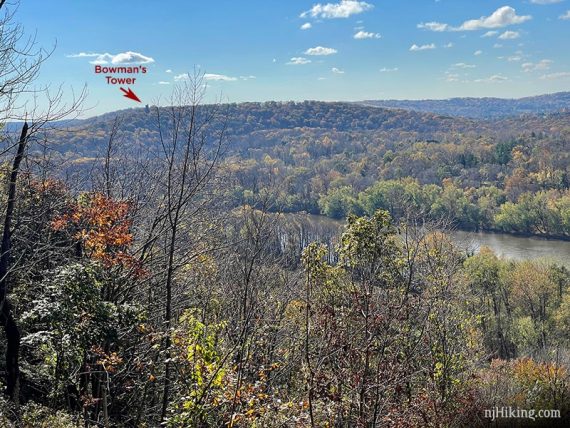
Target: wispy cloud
122, 58
162, 82
496, 78
555, 76
344, 9
219, 77
83, 55
366, 35
298, 60
540, 65
545, 1
320, 51
434, 26
207, 76
478, 52
306, 26
463, 65
415, 48
509, 35
502, 17
451, 77
490, 33
388, 70
337, 70
565, 16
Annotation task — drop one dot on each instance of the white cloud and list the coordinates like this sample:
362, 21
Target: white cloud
514, 58
497, 45
490, 33
366, 35
306, 26
463, 65
540, 65
207, 76
477, 53
344, 9
337, 70
122, 58
415, 48
131, 58
168, 71
502, 17
492, 79
510, 35
162, 82
449, 45
83, 55
566, 16
298, 60
320, 51
321, 78
388, 70
247, 77
219, 77
452, 77
434, 26
545, 1
554, 76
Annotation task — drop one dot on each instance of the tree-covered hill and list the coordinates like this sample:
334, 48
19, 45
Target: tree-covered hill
246, 123
482, 108
510, 174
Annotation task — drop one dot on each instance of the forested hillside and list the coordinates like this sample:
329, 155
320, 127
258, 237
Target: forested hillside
510, 175
482, 108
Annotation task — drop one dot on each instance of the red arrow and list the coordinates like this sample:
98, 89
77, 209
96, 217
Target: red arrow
130, 94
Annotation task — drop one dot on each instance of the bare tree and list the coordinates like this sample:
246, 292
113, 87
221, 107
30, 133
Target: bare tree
20, 62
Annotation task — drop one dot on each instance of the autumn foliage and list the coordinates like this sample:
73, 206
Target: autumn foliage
102, 226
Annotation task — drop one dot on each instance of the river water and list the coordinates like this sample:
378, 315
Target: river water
504, 245
515, 247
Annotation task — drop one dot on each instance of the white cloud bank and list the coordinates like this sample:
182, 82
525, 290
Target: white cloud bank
344, 9
366, 35
122, 58
207, 76
502, 17
415, 48
320, 51
298, 60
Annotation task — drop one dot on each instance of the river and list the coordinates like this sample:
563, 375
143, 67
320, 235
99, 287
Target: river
504, 245
516, 247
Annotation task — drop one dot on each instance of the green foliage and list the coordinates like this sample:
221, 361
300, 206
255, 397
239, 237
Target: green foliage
339, 203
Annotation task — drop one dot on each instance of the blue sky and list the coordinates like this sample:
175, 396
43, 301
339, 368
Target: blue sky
257, 50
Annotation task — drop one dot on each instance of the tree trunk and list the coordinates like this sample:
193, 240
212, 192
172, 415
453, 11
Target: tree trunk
6, 317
